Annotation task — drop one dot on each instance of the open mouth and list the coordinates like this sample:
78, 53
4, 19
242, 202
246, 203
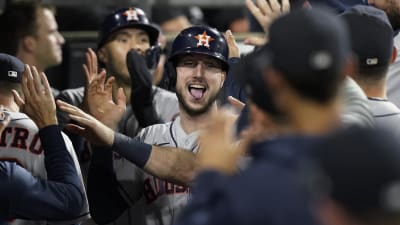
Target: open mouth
197, 91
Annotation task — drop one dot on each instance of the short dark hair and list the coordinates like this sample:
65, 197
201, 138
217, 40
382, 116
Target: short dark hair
18, 21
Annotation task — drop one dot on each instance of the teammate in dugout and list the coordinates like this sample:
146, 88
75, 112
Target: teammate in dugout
165, 152
23, 195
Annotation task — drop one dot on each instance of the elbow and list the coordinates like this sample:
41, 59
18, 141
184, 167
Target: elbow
77, 206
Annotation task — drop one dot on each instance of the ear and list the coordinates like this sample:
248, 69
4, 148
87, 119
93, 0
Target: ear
351, 67
273, 79
223, 79
29, 44
102, 55
394, 55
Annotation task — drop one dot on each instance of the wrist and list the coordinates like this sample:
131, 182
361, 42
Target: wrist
47, 122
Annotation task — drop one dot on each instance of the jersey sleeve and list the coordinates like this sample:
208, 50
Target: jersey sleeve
61, 197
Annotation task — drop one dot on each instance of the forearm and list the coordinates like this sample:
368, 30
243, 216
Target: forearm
58, 162
168, 163
172, 164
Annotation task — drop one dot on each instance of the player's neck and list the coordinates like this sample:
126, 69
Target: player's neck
194, 123
313, 118
29, 59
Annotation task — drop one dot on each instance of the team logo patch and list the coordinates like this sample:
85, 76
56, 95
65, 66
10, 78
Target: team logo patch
131, 14
204, 40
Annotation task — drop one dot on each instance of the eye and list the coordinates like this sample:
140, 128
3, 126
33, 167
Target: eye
121, 39
144, 40
188, 63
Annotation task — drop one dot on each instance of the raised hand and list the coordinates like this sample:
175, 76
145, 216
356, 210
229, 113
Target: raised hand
38, 103
101, 104
91, 72
265, 12
89, 127
218, 150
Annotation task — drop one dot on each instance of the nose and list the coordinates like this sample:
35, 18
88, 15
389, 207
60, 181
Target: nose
199, 69
60, 38
137, 47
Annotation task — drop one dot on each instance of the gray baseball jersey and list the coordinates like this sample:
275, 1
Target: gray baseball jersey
128, 175
393, 76
20, 143
356, 109
386, 114
162, 201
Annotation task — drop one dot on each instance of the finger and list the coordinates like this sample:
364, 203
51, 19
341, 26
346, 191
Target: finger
121, 98
236, 103
285, 6
75, 129
46, 85
254, 10
264, 7
275, 6
109, 84
18, 99
27, 76
68, 108
100, 83
255, 41
93, 57
37, 84
87, 74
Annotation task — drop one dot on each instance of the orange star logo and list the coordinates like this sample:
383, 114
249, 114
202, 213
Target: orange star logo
204, 39
131, 14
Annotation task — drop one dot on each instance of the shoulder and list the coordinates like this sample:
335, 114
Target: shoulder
160, 93
72, 96
155, 133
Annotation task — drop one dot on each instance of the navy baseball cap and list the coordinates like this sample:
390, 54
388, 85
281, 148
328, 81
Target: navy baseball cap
310, 47
371, 35
126, 18
11, 68
362, 170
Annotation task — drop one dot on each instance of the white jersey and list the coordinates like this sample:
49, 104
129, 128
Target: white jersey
20, 142
162, 201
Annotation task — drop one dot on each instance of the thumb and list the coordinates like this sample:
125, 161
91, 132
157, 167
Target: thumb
121, 98
236, 103
18, 99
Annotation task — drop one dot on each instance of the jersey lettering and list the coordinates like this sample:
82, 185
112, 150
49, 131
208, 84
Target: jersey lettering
19, 140
154, 188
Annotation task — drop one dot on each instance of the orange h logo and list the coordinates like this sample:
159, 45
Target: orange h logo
204, 40
131, 14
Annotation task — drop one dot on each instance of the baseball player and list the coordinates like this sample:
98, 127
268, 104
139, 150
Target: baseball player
297, 97
29, 155
121, 31
199, 57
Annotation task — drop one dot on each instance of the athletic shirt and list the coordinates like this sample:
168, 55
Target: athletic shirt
386, 114
20, 143
163, 201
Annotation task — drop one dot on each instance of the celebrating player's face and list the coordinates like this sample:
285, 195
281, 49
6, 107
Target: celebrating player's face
113, 54
199, 80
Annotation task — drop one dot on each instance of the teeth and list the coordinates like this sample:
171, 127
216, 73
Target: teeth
197, 86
